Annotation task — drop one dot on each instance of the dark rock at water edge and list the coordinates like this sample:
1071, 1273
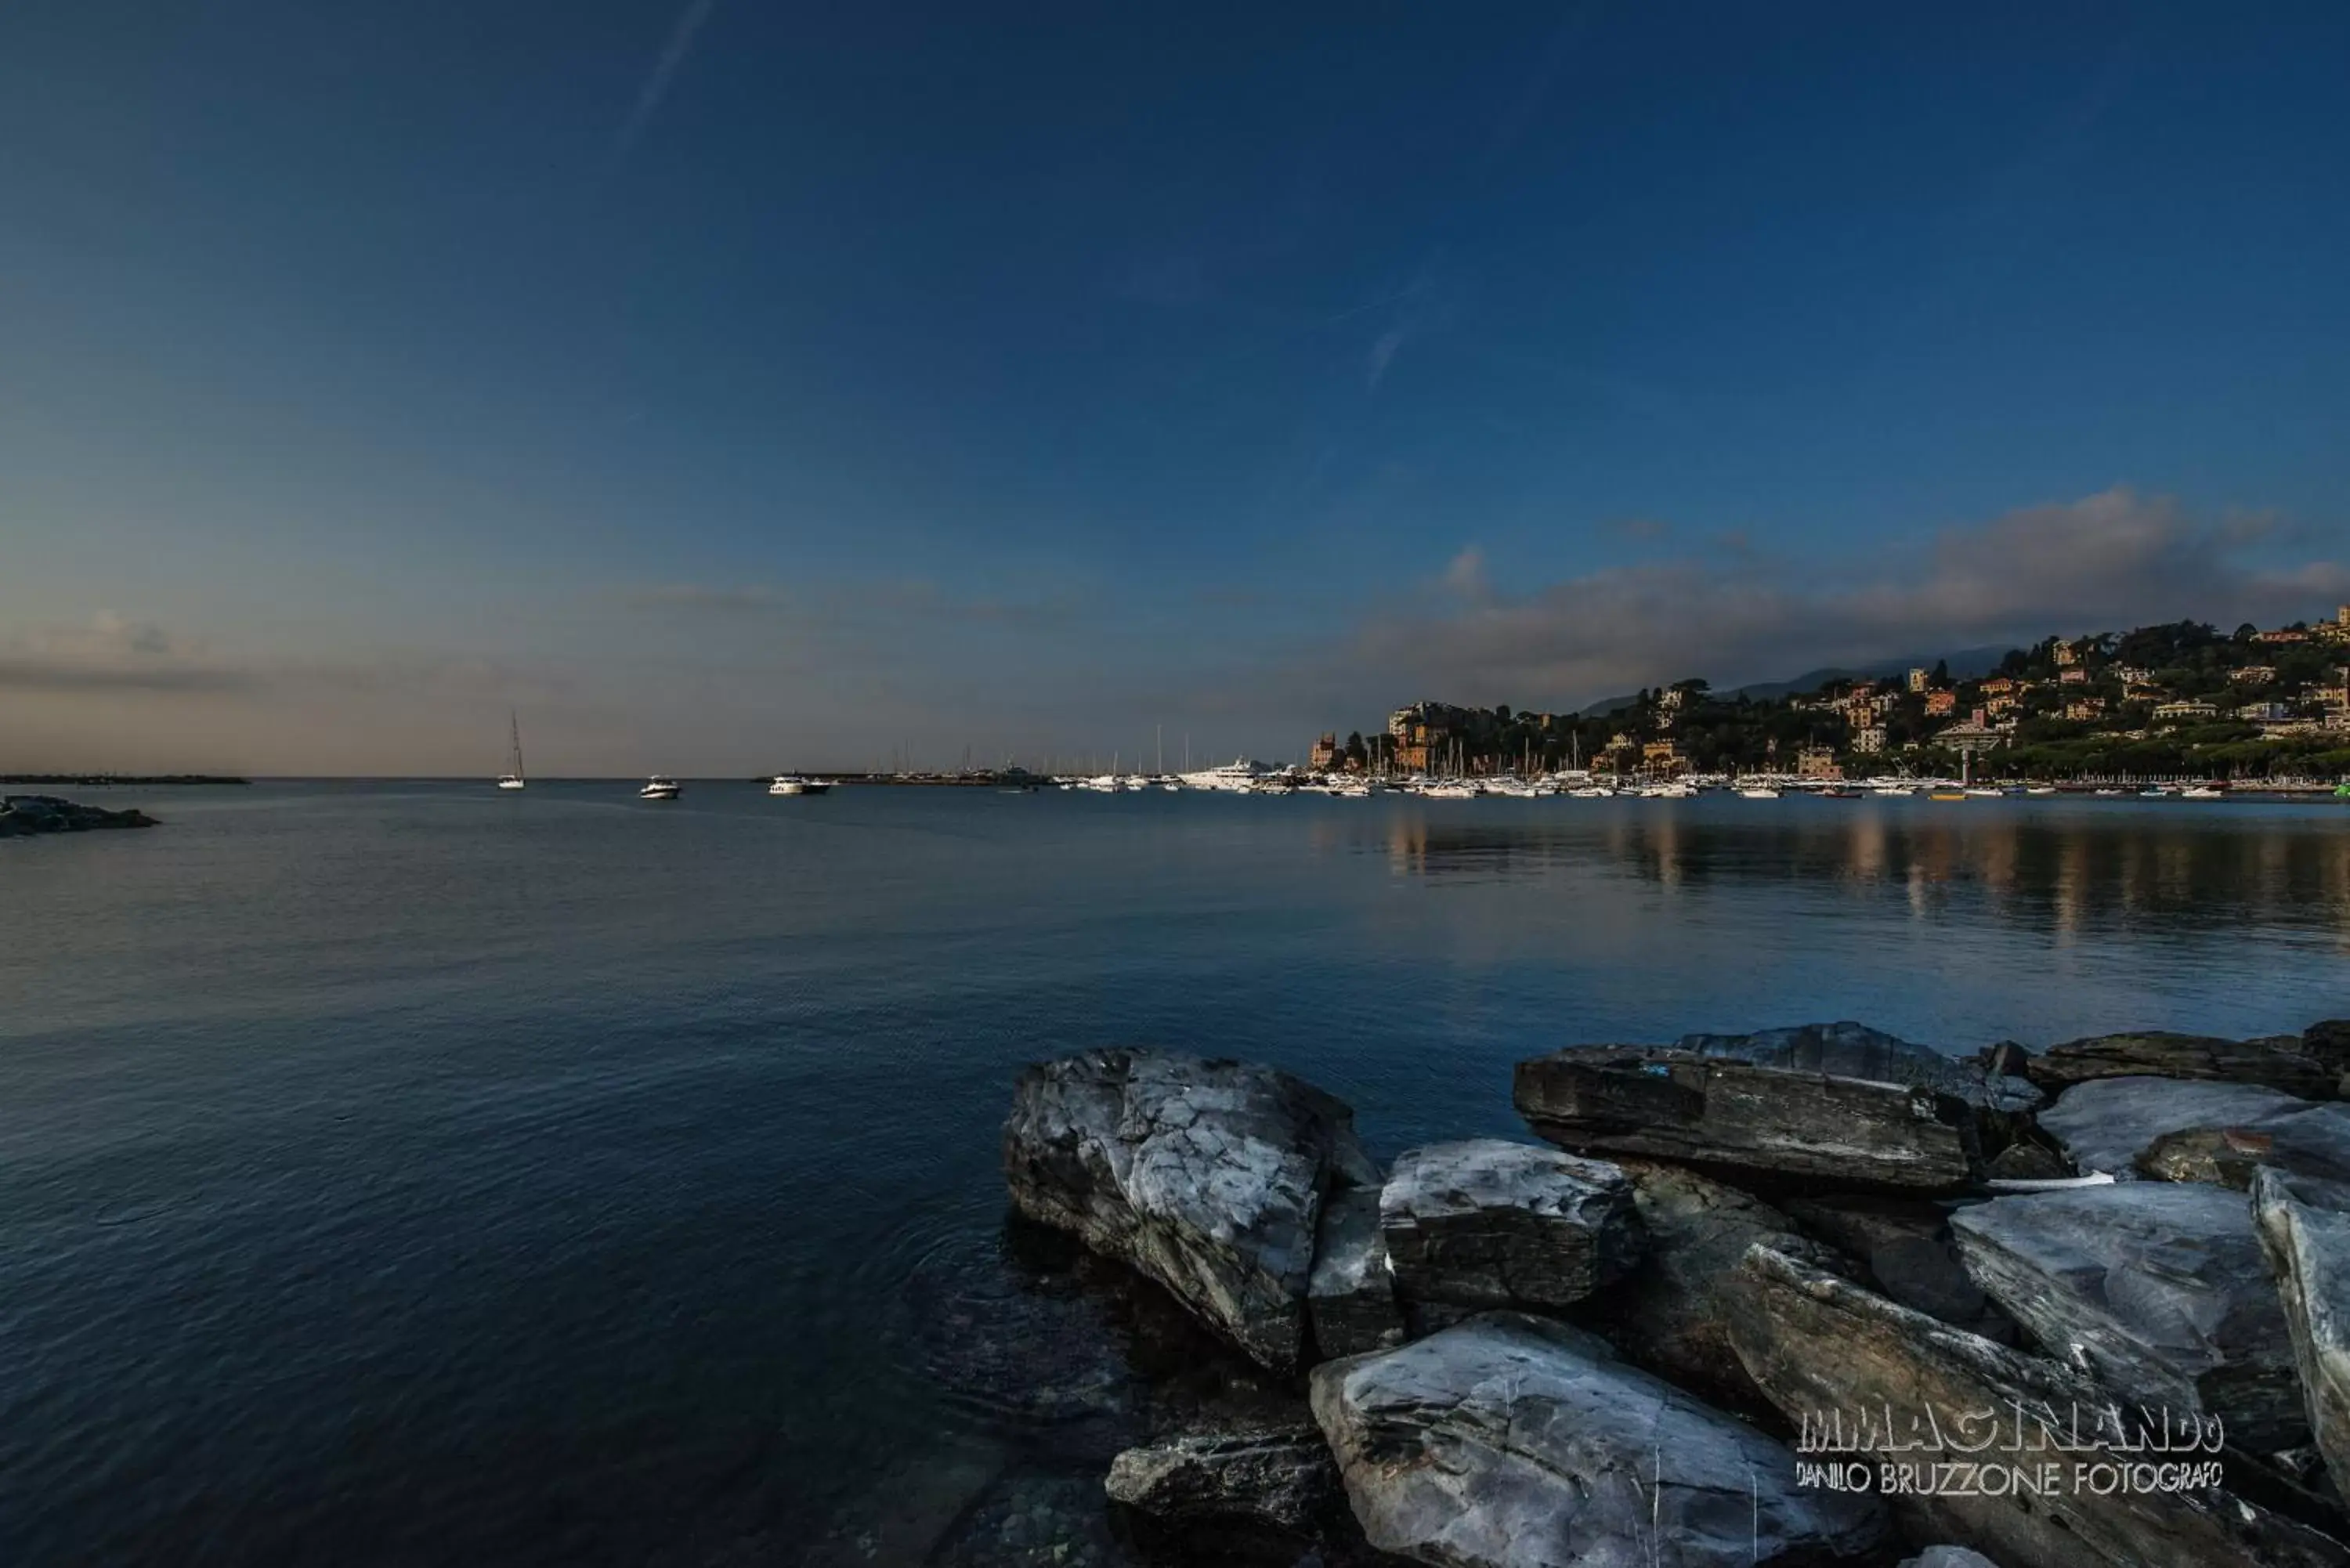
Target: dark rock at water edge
2281, 1061
1909, 1252
1774, 1123
22, 816
1262, 1486
1484, 1222
1667, 1315
1821, 1346
2158, 1290
1207, 1176
1948, 1557
1350, 1294
1512, 1441
2308, 1247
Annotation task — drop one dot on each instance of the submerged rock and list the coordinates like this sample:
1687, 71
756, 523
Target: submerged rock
2158, 1290
2105, 1123
1351, 1292
1948, 1557
1281, 1477
2280, 1062
1678, 1105
1512, 1441
1846, 1365
2308, 1247
1207, 1176
1485, 1223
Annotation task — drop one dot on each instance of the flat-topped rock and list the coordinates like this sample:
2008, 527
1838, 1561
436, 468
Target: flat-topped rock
2280, 1062
1484, 1222
2160, 1290
1912, 1256
1207, 1176
1772, 1121
1849, 1050
2308, 1247
2106, 1123
1841, 1362
1512, 1441
1351, 1293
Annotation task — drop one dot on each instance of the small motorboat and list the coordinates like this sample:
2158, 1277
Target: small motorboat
791, 784
1759, 791
2202, 792
659, 788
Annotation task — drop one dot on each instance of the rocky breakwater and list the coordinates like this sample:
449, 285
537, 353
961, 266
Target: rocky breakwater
23, 815
1814, 1295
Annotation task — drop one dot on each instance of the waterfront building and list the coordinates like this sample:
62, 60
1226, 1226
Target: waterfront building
1818, 762
1868, 740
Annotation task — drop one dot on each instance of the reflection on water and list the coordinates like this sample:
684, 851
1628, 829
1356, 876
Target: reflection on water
2064, 866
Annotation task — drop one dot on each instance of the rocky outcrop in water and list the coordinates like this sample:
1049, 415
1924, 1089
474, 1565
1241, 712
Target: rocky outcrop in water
1207, 1176
22, 816
2280, 1062
1779, 1232
1776, 1123
1511, 1441
1858, 1373
1487, 1223
2158, 1290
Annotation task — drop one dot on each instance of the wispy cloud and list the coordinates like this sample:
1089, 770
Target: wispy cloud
850, 606
1382, 355
657, 83
2111, 560
110, 653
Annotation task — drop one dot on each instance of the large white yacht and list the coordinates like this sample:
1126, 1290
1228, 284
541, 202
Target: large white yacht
791, 784
659, 788
1238, 774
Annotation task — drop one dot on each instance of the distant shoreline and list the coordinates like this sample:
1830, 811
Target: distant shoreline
104, 781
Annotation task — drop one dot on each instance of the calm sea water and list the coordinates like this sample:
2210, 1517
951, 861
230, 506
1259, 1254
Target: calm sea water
407, 1173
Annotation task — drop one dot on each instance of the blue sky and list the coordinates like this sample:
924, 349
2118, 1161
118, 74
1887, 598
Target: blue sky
736, 386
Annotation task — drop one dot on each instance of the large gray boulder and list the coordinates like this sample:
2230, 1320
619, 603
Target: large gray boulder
1770, 1122
2280, 1062
1484, 1222
2308, 1246
2158, 1290
1351, 1293
1281, 1477
1667, 1315
1948, 1557
1511, 1441
2105, 1123
1207, 1176
1844, 1365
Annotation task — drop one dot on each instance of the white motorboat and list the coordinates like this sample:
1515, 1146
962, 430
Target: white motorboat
1240, 774
791, 784
1593, 792
1450, 791
659, 788
513, 777
2202, 792
2041, 789
1758, 792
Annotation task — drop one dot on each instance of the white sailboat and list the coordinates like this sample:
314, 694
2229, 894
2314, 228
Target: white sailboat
513, 777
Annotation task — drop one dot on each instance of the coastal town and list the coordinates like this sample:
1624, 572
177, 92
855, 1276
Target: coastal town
2183, 702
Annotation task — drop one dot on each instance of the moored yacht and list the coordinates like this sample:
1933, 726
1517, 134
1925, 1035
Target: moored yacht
659, 788
791, 784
